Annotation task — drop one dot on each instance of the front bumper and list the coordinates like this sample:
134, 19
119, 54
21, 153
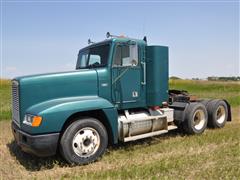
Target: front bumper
39, 145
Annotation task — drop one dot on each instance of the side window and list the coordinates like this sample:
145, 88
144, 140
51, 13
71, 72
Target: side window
126, 55
134, 54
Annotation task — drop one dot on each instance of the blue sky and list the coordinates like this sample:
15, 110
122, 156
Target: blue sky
43, 36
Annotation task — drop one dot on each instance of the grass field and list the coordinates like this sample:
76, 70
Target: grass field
212, 155
5, 99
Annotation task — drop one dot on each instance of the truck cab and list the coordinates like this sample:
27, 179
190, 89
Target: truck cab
118, 63
118, 92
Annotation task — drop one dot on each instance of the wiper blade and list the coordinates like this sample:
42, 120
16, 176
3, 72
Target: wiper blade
92, 66
95, 65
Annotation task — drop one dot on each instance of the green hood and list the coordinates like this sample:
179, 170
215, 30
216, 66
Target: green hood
44, 87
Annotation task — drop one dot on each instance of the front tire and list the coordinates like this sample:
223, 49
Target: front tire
196, 118
84, 141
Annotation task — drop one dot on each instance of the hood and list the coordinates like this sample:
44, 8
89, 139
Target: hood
43, 87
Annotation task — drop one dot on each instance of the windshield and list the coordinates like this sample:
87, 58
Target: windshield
93, 57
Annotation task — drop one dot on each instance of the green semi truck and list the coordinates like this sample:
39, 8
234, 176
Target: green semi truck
117, 93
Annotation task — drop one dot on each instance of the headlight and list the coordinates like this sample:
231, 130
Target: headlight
32, 120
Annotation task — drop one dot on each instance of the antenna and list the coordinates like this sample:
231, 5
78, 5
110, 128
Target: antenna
89, 41
145, 38
108, 35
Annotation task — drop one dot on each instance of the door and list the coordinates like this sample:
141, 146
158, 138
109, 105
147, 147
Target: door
126, 76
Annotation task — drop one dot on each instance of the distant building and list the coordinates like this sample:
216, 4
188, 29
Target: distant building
215, 78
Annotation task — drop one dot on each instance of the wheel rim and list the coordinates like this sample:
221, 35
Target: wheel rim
221, 114
86, 142
199, 119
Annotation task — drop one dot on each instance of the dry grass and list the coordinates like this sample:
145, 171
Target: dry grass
212, 155
215, 154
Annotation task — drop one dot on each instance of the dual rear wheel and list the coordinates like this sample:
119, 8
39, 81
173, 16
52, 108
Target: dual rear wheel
199, 115
217, 112
195, 118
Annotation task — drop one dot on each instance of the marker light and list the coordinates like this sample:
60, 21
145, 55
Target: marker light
36, 121
32, 120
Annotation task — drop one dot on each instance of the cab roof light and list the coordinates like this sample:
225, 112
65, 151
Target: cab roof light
108, 35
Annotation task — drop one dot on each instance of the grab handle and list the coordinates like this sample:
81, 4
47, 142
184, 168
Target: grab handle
144, 73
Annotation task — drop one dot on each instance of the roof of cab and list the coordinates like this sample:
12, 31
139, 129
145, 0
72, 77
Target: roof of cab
119, 39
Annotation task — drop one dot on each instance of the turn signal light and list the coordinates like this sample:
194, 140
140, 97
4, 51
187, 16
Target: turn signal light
36, 121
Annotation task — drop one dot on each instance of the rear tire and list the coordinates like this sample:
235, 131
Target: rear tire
196, 118
217, 113
84, 141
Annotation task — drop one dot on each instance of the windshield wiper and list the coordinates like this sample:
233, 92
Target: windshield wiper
95, 65
92, 66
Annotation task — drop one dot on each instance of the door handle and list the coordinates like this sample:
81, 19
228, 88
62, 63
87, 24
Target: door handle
144, 73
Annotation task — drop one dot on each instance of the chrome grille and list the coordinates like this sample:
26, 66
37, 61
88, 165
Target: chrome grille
15, 102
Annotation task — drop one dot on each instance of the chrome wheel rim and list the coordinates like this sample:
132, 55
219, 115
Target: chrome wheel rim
220, 114
199, 119
86, 142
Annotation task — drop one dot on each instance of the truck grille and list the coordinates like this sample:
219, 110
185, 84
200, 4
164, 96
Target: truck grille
15, 102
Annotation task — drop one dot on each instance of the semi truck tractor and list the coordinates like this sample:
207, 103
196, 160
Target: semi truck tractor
119, 92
